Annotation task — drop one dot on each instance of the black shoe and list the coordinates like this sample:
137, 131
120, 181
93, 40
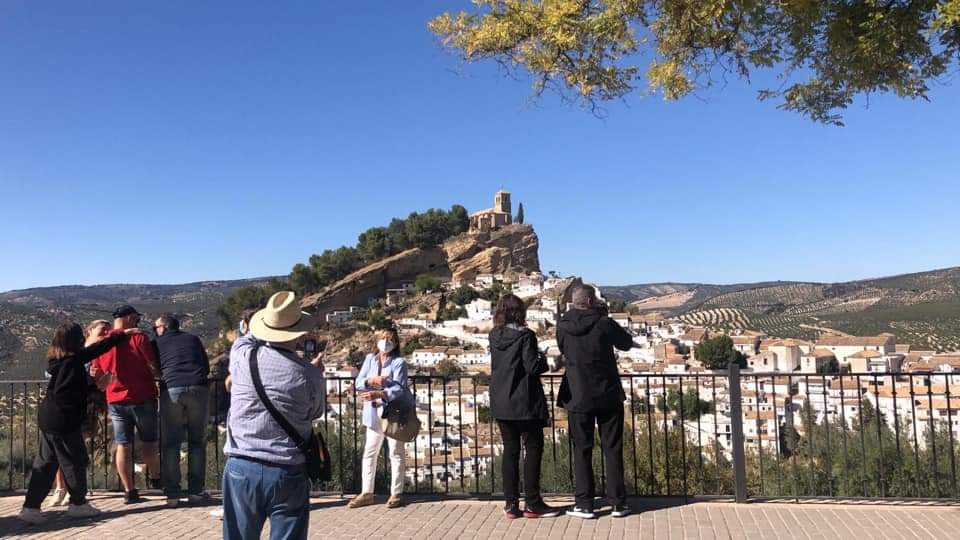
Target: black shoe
620, 510
512, 510
155, 483
539, 509
581, 512
132, 497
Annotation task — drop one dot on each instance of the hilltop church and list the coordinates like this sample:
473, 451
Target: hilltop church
492, 219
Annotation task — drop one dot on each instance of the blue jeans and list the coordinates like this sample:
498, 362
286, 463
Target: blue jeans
126, 416
183, 404
254, 491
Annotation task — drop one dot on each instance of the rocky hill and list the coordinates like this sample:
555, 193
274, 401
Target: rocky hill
922, 309
463, 257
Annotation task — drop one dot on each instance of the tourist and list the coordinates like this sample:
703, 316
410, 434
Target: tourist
132, 401
587, 337
59, 417
518, 404
243, 327
265, 474
382, 379
184, 398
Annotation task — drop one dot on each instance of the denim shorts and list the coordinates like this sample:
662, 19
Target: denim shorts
125, 417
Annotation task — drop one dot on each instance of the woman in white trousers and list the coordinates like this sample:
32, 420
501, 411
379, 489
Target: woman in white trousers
382, 379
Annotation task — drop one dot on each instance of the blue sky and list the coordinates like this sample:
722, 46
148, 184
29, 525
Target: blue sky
181, 141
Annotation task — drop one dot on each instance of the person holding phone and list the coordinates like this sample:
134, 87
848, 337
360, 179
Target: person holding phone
382, 379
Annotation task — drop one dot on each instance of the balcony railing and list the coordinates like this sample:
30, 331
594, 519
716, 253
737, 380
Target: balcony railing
738, 434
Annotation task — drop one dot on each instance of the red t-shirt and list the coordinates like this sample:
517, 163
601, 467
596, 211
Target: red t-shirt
129, 363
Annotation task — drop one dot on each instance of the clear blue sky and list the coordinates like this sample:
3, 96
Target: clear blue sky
167, 142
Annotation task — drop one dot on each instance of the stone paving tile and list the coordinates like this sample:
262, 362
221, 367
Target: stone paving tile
483, 520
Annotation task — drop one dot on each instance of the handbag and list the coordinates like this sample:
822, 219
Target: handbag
314, 448
402, 423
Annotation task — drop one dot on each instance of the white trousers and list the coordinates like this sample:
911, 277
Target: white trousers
371, 451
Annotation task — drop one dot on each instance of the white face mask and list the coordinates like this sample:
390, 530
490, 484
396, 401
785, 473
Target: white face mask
385, 346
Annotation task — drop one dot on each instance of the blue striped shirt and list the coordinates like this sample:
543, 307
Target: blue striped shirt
296, 389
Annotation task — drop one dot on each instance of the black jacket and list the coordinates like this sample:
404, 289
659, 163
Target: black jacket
586, 339
516, 365
183, 360
64, 406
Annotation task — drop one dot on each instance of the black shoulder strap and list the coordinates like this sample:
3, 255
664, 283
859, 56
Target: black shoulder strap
258, 384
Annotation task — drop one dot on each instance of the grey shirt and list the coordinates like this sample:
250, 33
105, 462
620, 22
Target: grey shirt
296, 389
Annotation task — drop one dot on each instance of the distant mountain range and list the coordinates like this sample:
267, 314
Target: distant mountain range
922, 309
29, 316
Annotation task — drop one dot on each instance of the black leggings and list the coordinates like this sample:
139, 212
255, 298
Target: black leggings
531, 432
67, 452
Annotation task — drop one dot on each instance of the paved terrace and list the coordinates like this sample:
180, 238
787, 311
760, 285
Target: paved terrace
431, 518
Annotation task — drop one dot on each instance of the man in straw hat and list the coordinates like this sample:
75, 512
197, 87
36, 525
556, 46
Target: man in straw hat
264, 476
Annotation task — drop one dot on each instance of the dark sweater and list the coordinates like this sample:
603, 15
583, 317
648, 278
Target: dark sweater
64, 406
586, 339
516, 365
183, 360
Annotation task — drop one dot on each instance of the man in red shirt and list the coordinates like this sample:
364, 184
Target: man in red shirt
131, 371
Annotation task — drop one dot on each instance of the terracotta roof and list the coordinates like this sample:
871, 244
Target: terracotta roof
866, 354
819, 353
854, 341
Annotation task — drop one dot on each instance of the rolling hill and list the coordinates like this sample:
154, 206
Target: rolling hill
922, 309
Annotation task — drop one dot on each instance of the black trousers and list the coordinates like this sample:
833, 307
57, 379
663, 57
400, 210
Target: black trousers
531, 433
67, 452
611, 442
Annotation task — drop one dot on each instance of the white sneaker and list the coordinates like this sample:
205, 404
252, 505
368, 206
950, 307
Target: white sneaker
57, 498
32, 516
218, 513
582, 513
82, 511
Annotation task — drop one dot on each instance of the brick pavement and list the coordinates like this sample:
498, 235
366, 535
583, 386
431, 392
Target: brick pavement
425, 518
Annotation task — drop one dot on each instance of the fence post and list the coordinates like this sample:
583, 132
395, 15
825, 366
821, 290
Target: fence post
736, 426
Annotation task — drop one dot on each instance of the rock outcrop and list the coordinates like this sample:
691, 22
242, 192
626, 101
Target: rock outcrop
513, 247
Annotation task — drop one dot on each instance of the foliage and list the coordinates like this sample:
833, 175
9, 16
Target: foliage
425, 284
452, 313
824, 53
423, 308
249, 297
463, 295
378, 320
448, 368
617, 306
693, 406
494, 293
422, 230
718, 353
519, 217
356, 358
411, 345
483, 414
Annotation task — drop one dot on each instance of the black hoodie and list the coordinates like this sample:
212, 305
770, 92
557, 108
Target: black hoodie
516, 365
586, 339
64, 406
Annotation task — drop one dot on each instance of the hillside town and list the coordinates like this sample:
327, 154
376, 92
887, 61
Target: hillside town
784, 381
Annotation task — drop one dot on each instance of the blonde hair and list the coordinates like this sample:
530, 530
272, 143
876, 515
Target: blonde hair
94, 324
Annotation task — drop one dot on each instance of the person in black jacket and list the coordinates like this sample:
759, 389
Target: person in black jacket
60, 416
587, 337
519, 406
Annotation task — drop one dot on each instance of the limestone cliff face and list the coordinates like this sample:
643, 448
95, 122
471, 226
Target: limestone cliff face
513, 247
373, 280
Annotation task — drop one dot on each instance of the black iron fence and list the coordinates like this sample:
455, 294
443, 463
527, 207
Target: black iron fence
730, 434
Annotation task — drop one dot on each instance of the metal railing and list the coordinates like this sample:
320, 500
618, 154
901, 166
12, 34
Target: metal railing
730, 434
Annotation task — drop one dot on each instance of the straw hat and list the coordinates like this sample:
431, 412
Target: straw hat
281, 320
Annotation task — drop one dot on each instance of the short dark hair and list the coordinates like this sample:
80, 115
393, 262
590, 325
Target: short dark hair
67, 341
510, 310
584, 296
247, 314
170, 321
